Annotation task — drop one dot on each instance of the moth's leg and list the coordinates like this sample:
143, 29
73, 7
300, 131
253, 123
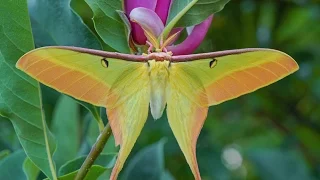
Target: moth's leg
150, 47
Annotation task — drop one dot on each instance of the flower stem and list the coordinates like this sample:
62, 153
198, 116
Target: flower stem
175, 20
94, 153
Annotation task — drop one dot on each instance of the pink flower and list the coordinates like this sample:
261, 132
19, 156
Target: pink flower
148, 19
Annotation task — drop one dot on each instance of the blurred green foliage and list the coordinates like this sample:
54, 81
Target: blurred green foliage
273, 133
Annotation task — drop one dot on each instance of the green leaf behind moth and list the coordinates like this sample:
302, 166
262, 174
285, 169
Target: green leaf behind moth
11, 166
105, 160
147, 163
20, 99
65, 121
94, 173
55, 23
30, 169
197, 13
108, 23
184, 13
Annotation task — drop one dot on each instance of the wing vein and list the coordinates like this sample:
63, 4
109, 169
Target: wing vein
254, 76
70, 85
282, 66
230, 75
89, 90
44, 70
259, 66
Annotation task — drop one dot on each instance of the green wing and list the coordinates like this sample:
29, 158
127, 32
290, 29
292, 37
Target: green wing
197, 84
119, 85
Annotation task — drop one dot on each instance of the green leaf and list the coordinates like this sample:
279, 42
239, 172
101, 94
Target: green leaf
94, 172
105, 160
128, 30
105, 175
49, 100
65, 124
20, 99
108, 23
166, 175
55, 23
94, 110
185, 13
30, 169
86, 14
11, 166
8, 138
279, 164
4, 153
147, 164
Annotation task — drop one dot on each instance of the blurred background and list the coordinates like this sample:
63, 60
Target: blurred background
273, 133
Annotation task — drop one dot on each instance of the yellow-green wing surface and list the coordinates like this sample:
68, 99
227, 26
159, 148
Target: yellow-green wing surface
197, 84
81, 75
129, 117
186, 116
230, 76
119, 85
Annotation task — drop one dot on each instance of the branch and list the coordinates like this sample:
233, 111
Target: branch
94, 153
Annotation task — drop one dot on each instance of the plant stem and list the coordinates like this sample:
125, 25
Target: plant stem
46, 139
100, 125
94, 153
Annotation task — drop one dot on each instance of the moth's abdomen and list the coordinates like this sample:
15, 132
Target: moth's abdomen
158, 85
157, 102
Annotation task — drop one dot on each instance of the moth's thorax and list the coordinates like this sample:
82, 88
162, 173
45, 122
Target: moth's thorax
159, 76
160, 56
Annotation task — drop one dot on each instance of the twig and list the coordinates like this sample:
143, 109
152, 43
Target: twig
94, 153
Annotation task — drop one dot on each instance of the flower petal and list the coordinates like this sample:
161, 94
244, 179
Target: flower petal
129, 5
137, 32
150, 23
193, 40
162, 9
148, 20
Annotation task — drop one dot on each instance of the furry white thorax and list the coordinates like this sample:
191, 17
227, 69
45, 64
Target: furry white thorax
159, 78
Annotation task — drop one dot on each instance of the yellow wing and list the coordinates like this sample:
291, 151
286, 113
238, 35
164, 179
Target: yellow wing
186, 117
197, 84
119, 85
231, 76
81, 75
127, 120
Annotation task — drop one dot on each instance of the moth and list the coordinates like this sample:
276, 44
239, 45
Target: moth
127, 85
